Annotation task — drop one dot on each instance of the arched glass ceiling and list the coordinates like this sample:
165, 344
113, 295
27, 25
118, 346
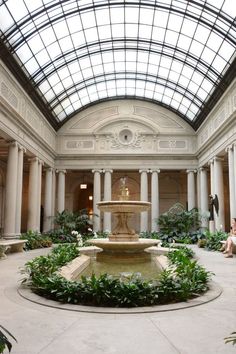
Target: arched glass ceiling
76, 53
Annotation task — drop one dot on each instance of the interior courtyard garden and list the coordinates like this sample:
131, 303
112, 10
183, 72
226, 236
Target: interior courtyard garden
117, 177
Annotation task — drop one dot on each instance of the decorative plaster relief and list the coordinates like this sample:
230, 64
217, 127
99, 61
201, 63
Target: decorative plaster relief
91, 119
36, 122
172, 144
10, 97
234, 101
161, 119
126, 139
204, 136
79, 144
219, 118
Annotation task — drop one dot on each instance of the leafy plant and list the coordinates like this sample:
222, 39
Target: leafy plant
4, 341
35, 240
184, 279
180, 226
213, 240
69, 221
231, 338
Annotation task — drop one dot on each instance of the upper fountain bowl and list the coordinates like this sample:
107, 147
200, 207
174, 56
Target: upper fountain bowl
124, 206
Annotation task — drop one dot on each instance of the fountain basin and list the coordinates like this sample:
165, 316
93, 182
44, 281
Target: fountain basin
125, 251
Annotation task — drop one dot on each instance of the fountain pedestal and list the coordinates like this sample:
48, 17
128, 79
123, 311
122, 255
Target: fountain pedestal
123, 244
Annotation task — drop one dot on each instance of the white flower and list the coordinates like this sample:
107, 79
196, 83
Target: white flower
74, 233
90, 230
79, 240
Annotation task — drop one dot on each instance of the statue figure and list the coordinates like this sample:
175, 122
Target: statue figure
124, 190
214, 204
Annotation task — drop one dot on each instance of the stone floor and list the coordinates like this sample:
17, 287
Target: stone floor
196, 330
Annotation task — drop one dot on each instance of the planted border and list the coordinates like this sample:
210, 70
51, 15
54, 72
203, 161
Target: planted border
183, 280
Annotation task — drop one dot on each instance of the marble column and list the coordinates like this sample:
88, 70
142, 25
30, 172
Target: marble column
11, 191
32, 223
219, 191
21, 151
204, 199
96, 199
144, 197
40, 168
61, 190
107, 197
47, 221
198, 203
53, 197
155, 199
191, 190
231, 172
234, 163
212, 185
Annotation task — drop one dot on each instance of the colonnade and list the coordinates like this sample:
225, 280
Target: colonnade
14, 190
197, 192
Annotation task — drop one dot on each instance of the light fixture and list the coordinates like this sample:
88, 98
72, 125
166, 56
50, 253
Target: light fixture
83, 186
90, 197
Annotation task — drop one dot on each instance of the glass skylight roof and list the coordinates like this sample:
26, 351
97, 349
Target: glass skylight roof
76, 53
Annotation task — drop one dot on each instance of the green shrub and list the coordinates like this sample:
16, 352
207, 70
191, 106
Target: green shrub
58, 236
185, 279
68, 221
180, 226
213, 240
35, 240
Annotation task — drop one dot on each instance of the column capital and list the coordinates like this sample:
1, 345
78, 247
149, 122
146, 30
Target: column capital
210, 162
12, 143
104, 170
22, 148
202, 168
61, 171
154, 170
144, 170
230, 147
48, 168
97, 170
41, 162
218, 158
191, 170
33, 159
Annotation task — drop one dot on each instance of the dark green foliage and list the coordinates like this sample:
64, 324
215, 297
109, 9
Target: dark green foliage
35, 240
180, 252
69, 221
4, 341
231, 338
185, 279
44, 266
213, 239
58, 236
180, 227
147, 234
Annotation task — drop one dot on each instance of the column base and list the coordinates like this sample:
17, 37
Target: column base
11, 236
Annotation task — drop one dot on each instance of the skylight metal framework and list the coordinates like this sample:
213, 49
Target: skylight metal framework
76, 53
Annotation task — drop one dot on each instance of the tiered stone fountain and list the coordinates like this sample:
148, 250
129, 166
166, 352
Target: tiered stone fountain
123, 244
